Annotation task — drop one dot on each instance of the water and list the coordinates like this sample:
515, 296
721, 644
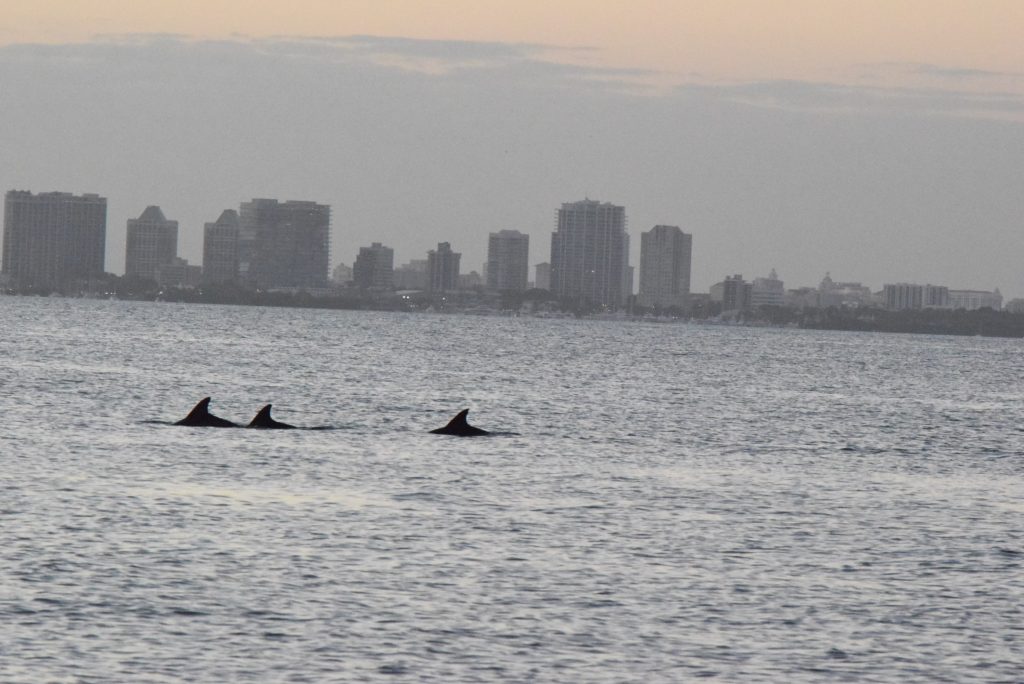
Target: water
679, 501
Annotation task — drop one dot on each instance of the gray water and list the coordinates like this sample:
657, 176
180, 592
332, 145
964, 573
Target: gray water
679, 501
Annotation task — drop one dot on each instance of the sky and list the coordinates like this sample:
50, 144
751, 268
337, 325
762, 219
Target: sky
879, 141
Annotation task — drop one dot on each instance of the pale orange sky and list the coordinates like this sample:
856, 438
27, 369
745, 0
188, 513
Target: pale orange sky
694, 40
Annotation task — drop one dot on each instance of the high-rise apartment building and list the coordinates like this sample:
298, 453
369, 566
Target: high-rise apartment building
284, 244
374, 267
220, 249
54, 238
508, 261
665, 257
442, 268
152, 242
590, 253
900, 296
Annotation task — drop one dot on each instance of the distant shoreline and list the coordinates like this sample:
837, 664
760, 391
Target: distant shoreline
979, 322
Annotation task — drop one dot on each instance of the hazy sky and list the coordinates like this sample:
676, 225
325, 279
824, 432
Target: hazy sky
878, 140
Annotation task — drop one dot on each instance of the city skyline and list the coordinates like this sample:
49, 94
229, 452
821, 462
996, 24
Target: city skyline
287, 244
918, 175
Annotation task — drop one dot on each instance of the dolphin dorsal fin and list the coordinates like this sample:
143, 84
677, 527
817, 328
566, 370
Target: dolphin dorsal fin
262, 418
201, 409
459, 421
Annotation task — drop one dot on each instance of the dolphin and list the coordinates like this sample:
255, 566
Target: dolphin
200, 416
265, 422
458, 427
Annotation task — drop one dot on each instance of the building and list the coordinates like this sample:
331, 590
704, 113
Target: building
590, 253
411, 276
284, 244
508, 261
152, 242
936, 297
665, 256
178, 273
53, 239
442, 268
374, 267
470, 281
802, 298
220, 249
1015, 306
851, 295
975, 299
768, 291
542, 279
736, 293
902, 296
342, 274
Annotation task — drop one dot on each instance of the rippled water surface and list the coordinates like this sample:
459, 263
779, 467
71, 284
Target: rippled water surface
679, 501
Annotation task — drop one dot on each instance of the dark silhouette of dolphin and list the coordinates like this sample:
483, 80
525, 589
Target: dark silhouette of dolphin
263, 421
459, 427
200, 416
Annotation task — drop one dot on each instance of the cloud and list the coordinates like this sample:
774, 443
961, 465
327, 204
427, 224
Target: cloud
536, 66
543, 65
883, 69
822, 97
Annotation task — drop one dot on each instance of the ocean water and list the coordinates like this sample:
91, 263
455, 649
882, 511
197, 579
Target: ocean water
677, 501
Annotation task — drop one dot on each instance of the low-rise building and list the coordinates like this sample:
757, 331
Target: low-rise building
543, 276
411, 276
179, 273
849, 294
736, 293
975, 299
1015, 306
342, 274
770, 291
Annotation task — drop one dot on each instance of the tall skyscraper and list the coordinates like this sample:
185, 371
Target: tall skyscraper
284, 244
442, 268
665, 257
508, 262
152, 242
590, 253
374, 267
220, 249
54, 238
